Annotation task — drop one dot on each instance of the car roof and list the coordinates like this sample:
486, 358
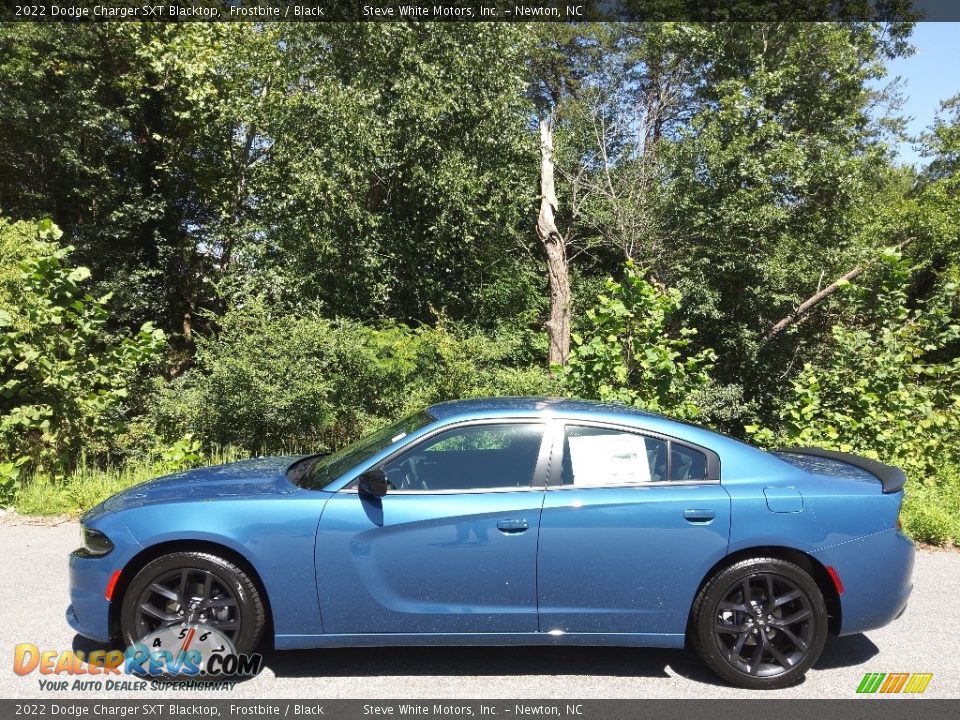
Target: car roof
533, 406
544, 407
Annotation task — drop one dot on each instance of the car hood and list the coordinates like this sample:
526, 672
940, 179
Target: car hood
247, 478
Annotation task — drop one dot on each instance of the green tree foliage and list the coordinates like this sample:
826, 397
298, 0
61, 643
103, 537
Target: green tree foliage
932, 213
626, 89
344, 216
770, 183
634, 353
398, 173
18, 241
65, 379
132, 138
889, 388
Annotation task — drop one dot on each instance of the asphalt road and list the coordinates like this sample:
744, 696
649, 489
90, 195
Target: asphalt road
33, 597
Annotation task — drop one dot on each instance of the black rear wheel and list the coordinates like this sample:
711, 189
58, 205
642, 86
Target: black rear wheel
189, 588
760, 623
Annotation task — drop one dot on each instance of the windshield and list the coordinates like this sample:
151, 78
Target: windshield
330, 467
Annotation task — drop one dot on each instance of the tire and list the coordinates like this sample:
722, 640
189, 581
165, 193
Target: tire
759, 644
245, 617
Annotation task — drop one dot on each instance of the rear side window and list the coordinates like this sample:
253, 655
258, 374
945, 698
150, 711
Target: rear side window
600, 457
605, 457
687, 463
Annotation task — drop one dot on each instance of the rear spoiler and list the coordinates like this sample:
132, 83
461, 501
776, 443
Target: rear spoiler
892, 478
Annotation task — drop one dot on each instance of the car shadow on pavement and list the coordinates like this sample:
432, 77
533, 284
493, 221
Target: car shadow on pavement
487, 661
87, 646
841, 652
490, 661
604, 661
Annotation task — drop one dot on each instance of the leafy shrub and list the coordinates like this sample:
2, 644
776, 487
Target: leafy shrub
64, 378
889, 387
632, 353
19, 241
10, 473
274, 382
182, 453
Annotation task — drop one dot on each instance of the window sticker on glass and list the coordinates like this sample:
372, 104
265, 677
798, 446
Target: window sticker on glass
610, 459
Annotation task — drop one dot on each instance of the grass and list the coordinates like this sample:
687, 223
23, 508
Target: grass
931, 512
81, 490
88, 485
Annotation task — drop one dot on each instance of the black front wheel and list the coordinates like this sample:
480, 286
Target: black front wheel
760, 623
190, 588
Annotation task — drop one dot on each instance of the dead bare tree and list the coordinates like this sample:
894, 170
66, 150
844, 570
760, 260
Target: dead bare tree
558, 271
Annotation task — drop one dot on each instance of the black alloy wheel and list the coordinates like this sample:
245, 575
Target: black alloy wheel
191, 596
189, 588
760, 623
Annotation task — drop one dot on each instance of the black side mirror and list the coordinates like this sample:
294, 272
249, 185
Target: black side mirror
373, 482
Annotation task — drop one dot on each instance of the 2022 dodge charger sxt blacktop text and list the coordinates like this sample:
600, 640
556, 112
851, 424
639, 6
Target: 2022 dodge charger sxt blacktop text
511, 521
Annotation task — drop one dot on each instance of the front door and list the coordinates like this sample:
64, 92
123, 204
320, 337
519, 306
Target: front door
451, 547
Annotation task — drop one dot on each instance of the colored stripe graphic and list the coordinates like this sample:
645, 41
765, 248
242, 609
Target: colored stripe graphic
894, 683
918, 682
870, 682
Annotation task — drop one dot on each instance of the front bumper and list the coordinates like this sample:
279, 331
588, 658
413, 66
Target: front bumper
876, 572
72, 620
89, 610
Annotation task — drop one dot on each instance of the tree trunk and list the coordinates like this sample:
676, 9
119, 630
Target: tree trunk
558, 326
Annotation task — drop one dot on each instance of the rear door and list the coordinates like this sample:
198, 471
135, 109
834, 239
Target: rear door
451, 547
630, 525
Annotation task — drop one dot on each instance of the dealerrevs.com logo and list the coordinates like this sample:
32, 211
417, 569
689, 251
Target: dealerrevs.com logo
892, 683
188, 656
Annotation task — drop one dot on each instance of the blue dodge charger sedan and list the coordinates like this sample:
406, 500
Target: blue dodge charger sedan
509, 521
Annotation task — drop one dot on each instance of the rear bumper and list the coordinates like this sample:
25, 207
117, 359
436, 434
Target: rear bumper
877, 576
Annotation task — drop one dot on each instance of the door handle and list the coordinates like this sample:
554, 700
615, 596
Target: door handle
513, 526
699, 516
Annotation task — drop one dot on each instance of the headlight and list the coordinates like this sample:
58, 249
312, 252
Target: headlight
93, 542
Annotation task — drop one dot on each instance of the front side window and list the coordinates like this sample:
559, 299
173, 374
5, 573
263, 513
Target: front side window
326, 468
474, 457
